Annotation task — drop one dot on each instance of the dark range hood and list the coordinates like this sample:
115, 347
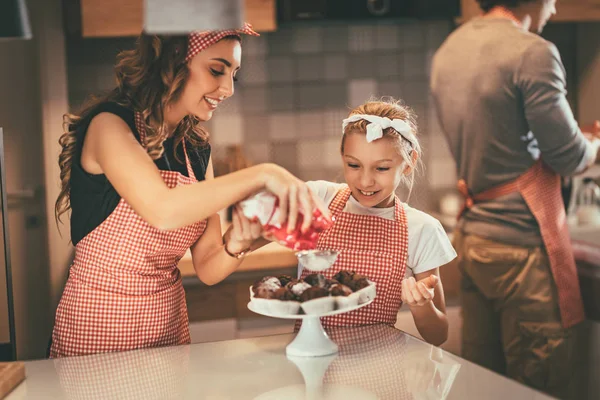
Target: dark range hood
356, 10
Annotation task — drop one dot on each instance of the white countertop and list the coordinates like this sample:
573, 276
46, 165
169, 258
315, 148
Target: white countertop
373, 362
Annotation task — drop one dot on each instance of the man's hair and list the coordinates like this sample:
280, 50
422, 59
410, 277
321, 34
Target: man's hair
487, 5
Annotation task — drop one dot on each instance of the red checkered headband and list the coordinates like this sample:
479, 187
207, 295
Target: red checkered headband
198, 41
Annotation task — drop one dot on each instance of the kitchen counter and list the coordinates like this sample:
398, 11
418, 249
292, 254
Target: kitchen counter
271, 256
376, 362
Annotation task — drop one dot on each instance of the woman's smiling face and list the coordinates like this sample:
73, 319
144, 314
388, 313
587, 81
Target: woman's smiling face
212, 76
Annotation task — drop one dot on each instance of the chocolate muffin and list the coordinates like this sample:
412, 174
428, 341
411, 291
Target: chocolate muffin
358, 282
344, 277
268, 283
264, 293
314, 292
316, 280
340, 290
297, 287
284, 293
284, 279
329, 283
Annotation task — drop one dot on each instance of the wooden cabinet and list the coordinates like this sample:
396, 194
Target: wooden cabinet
111, 18
577, 10
114, 18
261, 14
567, 10
227, 299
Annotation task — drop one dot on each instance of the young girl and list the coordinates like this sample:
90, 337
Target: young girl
137, 176
396, 246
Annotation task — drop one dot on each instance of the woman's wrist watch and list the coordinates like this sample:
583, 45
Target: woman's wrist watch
237, 255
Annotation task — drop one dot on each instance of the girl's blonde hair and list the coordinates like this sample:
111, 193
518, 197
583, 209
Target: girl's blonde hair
392, 109
149, 78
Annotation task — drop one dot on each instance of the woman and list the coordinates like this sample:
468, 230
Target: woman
137, 175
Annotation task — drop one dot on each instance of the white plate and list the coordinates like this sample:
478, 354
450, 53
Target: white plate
252, 308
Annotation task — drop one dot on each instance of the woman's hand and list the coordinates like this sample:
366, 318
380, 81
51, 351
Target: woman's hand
294, 197
242, 234
418, 293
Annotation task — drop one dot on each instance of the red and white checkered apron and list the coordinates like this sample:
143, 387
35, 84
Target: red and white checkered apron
540, 187
124, 289
372, 246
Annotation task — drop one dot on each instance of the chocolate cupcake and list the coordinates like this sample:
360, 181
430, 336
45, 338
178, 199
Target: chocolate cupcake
263, 292
285, 294
344, 297
340, 289
314, 292
358, 282
344, 277
284, 279
316, 280
297, 287
316, 301
268, 283
329, 283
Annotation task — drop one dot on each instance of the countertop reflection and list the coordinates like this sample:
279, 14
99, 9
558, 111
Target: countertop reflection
375, 362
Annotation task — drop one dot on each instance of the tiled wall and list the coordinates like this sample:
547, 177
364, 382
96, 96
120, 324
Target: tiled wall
297, 84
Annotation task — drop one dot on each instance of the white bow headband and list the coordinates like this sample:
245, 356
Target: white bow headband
378, 124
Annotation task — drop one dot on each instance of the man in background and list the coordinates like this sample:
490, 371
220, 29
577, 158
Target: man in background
499, 90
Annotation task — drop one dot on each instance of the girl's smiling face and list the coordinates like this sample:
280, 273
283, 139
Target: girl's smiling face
373, 170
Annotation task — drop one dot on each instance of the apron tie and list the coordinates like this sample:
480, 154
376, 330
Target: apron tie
466, 194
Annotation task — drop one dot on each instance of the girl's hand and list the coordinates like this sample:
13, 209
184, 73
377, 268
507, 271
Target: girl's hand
294, 197
242, 233
418, 293
592, 130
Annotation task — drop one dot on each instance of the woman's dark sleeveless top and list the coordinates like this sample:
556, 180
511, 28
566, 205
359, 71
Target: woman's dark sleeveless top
93, 198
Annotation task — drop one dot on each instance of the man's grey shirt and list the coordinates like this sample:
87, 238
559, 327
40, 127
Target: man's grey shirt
500, 95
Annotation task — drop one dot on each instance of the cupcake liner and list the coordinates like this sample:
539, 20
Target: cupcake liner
277, 307
343, 302
366, 294
319, 306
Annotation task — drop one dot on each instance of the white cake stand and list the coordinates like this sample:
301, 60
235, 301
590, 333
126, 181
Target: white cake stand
311, 340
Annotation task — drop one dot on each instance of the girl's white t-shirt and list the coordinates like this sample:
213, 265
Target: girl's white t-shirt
428, 244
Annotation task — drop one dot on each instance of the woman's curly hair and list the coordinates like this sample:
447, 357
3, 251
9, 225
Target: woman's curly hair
487, 5
149, 78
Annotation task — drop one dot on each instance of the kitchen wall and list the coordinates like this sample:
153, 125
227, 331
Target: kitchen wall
588, 71
297, 84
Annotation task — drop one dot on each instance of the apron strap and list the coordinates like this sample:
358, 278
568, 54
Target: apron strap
141, 128
339, 201
399, 214
188, 163
492, 193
